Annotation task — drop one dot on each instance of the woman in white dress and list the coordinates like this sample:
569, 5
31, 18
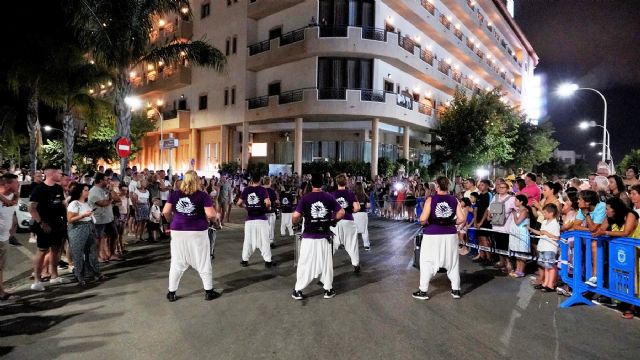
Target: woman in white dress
519, 238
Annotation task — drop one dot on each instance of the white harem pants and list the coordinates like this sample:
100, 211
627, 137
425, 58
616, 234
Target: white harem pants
362, 224
190, 248
286, 223
316, 260
439, 251
347, 235
271, 218
256, 236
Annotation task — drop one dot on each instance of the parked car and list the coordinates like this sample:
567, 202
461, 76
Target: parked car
23, 215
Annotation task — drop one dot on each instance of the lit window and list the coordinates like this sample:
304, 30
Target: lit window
259, 149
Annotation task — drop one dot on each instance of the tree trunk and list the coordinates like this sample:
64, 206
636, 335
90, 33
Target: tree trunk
33, 126
123, 112
69, 130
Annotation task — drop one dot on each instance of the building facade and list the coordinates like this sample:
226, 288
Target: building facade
311, 80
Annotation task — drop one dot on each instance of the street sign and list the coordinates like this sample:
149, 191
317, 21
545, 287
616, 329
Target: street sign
123, 147
169, 143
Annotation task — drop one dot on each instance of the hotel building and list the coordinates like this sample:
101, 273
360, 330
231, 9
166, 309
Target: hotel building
325, 79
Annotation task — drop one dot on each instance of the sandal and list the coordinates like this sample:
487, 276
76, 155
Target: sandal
628, 314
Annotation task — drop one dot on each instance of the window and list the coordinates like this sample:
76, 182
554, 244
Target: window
345, 73
202, 102
234, 47
227, 47
233, 95
226, 96
205, 10
274, 88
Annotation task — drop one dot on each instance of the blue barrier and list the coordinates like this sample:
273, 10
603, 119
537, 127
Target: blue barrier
617, 267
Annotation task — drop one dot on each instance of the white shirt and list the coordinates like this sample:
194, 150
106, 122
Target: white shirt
6, 218
143, 197
154, 214
133, 185
546, 244
509, 205
467, 193
164, 195
78, 207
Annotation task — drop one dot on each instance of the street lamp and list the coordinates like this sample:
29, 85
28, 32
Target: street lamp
48, 128
568, 89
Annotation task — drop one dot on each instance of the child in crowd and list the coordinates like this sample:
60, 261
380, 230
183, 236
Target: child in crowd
463, 229
155, 216
548, 246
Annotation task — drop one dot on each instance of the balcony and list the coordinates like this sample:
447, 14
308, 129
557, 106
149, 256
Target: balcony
359, 42
439, 27
157, 81
170, 32
473, 19
174, 121
258, 9
341, 104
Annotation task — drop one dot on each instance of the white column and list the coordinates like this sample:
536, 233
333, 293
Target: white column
224, 144
297, 147
375, 124
245, 145
405, 141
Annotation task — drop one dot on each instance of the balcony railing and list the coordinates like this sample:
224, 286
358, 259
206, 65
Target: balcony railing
333, 30
258, 102
426, 56
443, 67
425, 108
292, 96
444, 21
371, 33
291, 37
458, 33
406, 43
259, 47
428, 6
372, 95
332, 93
456, 76
404, 101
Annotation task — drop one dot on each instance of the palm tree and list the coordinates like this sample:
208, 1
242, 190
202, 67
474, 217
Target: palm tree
117, 34
67, 90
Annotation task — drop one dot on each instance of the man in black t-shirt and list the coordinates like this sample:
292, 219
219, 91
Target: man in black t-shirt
482, 220
286, 206
49, 214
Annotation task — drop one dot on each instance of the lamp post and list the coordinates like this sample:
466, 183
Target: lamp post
154, 108
48, 128
566, 90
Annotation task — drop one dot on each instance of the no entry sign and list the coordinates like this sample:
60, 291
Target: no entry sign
123, 147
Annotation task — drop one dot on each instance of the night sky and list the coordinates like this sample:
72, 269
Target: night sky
596, 44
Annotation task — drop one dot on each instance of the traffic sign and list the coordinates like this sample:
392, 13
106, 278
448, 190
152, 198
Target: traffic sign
123, 147
169, 143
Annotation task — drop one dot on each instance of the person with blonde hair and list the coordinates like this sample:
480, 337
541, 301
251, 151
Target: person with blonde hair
189, 211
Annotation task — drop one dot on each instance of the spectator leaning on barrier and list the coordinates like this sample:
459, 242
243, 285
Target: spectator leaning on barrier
631, 177
548, 247
590, 218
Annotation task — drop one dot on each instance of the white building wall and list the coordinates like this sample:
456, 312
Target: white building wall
406, 81
290, 19
305, 76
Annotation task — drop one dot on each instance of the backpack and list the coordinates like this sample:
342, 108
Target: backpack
498, 213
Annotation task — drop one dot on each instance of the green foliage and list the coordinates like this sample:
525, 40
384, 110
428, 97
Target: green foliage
632, 158
260, 168
229, 168
52, 153
533, 145
385, 167
475, 130
580, 170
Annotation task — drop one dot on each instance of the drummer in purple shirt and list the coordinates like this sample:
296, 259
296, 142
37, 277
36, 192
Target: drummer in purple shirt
346, 230
319, 210
439, 247
255, 199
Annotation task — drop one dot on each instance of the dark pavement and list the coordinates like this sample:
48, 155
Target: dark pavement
372, 317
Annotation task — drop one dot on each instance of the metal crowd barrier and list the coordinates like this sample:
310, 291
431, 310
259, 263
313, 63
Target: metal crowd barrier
617, 268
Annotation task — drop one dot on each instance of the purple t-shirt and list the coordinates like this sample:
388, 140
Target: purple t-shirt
317, 209
189, 210
273, 197
253, 198
442, 215
345, 198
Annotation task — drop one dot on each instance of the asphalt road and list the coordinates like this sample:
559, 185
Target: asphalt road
372, 317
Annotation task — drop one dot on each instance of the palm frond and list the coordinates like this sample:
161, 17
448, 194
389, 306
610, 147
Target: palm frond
197, 52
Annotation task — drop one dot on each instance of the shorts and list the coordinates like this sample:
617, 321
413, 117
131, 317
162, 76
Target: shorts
105, 229
151, 226
501, 241
545, 258
53, 239
4, 248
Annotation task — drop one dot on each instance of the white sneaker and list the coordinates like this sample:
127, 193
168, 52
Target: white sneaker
59, 280
37, 286
593, 281
32, 239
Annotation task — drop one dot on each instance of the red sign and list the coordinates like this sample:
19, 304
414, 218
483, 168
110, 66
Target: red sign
123, 147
